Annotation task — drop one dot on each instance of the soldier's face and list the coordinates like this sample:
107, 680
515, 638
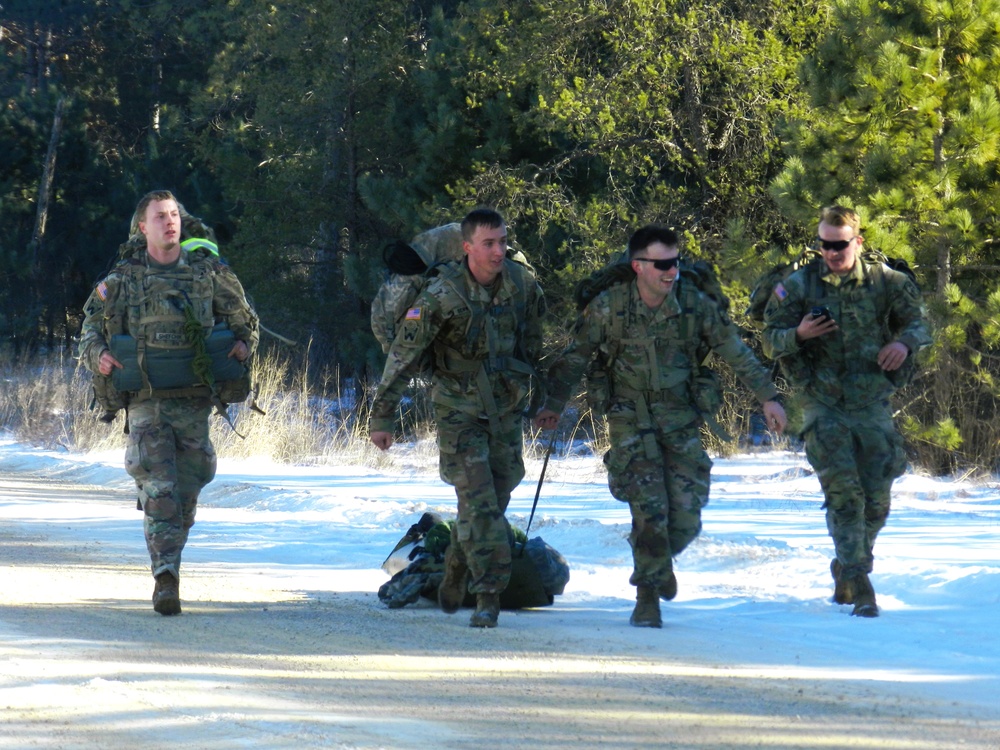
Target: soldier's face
162, 228
839, 261
653, 283
486, 253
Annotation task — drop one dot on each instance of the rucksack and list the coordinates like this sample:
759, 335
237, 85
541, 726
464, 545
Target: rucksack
620, 271
616, 278
411, 267
539, 573
767, 281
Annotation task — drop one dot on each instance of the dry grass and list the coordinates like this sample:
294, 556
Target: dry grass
46, 400
309, 418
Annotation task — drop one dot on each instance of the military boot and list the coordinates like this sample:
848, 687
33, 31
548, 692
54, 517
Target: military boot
647, 608
668, 588
487, 611
454, 586
864, 597
166, 595
843, 589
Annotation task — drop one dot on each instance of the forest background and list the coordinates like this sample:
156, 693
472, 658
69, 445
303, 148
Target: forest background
310, 134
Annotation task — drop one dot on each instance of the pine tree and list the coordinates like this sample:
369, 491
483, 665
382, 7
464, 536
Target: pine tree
302, 101
905, 126
581, 120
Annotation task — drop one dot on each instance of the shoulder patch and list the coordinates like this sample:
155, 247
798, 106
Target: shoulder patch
102, 291
779, 291
413, 313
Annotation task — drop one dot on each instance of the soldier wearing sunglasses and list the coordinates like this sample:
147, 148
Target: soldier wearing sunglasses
841, 330
648, 336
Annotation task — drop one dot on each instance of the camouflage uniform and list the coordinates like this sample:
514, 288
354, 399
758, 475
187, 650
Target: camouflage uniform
656, 463
484, 344
168, 452
851, 440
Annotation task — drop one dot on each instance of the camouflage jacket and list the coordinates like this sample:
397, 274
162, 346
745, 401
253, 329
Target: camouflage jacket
148, 302
873, 306
483, 347
658, 354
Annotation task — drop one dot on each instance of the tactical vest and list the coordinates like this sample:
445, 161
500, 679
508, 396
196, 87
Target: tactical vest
162, 311
698, 387
484, 319
157, 303
798, 368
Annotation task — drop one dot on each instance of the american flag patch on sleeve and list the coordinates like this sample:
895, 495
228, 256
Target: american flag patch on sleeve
780, 292
102, 291
413, 313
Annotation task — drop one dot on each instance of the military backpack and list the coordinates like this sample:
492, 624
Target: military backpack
410, 267
538, 574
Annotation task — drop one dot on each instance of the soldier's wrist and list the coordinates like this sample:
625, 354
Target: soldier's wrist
553, 404
380, 424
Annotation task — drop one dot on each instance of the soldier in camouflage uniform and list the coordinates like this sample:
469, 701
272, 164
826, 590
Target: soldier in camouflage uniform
152, 298
481, 321
843, 363
657, 463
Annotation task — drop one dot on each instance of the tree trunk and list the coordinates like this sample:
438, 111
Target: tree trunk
37, 244
45, 186
945, 375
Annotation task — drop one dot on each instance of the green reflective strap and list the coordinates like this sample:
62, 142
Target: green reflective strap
199, 243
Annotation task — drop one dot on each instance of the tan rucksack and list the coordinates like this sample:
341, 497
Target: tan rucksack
411, 266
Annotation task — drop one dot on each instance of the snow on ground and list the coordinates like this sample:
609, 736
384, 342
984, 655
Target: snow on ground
754, 588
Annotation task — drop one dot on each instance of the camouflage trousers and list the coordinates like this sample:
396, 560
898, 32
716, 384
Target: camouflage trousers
171, 459
484, 468
665, 492
857, 455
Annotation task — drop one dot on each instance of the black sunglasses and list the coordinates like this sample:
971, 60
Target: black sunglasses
834, 245
662, 264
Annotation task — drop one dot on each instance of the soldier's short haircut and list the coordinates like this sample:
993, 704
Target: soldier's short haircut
647, 235
144, 201
840, 216
480, 217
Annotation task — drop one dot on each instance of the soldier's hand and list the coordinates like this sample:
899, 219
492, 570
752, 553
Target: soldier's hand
240, 351
382, 440
892, 356
546, 419
107, 363
811, 328
774, 415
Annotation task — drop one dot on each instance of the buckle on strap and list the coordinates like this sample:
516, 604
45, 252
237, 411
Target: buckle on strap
498, 364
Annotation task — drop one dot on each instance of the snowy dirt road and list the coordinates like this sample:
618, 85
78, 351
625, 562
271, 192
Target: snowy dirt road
255, 662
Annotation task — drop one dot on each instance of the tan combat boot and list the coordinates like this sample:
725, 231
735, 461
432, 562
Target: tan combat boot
454, 586
487, 611
864, 597
166, 595
647, 608
843, 589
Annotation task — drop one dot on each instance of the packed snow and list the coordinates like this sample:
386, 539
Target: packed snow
754, 588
